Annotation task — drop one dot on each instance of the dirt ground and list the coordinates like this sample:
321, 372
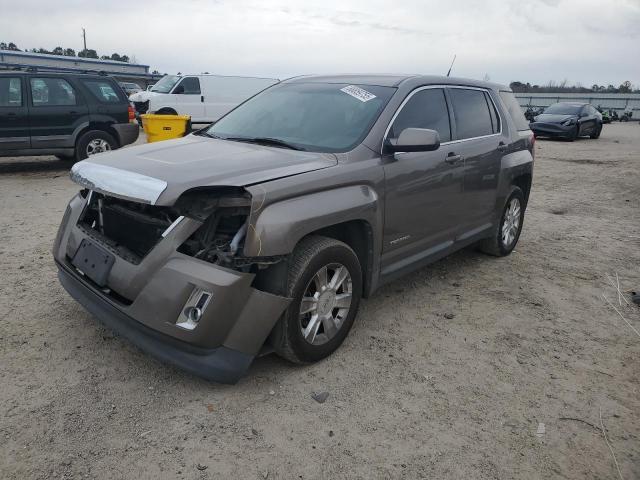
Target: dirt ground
448, 373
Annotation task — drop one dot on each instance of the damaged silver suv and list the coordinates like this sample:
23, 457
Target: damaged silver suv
263, 231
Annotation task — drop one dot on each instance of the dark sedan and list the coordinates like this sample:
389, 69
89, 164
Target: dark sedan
568, 120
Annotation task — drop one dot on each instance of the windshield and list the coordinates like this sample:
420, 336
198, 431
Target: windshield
318, 117
563, 109
165, 84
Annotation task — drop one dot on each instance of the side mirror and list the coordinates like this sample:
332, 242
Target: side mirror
179, 89
415, 140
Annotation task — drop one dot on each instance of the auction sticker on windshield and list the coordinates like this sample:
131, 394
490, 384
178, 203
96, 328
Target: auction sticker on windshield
359, 93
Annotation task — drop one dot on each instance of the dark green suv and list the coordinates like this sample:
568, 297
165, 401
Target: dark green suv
71, 116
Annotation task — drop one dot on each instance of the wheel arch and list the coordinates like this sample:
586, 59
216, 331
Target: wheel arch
524, 182
101, 126
351, 214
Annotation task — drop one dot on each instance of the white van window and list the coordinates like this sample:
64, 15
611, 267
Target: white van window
165, 84
188, 86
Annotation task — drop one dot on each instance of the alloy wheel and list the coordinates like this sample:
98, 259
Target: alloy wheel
97, 145
325, 303
511, 223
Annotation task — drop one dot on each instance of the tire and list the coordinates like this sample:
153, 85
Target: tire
94, 140
574, 134
596, 134
496, 244
310, 256
166, 111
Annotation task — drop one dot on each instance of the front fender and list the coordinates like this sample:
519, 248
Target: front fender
278, 227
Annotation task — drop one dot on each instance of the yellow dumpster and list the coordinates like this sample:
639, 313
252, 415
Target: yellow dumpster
164, 127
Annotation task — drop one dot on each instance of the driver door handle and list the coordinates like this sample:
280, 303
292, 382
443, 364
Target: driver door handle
453, 159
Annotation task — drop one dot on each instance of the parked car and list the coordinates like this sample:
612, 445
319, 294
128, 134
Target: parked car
130, 88
68, 115
263, 231
568, 120
205, 97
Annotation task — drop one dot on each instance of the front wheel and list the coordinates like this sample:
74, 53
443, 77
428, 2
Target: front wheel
325, 283
575, 133
596, 133
508, 231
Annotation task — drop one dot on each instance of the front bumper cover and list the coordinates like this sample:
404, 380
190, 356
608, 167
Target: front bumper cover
220, 364
144, 302
543, 129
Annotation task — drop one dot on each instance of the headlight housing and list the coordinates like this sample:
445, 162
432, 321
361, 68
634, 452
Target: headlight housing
568, 122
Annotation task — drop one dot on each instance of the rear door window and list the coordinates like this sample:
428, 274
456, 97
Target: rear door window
103, 91
425, 109
473, 118
10, 92
52, 92
191, 86
515, 111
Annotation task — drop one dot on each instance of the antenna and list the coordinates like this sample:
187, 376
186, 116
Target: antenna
84, 37
454, 59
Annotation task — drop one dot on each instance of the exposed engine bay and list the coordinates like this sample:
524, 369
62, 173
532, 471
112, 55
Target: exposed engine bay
131, 230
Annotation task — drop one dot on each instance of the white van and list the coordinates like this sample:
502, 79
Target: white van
205, 97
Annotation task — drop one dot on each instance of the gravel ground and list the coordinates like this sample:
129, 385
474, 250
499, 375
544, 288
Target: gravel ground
448, 373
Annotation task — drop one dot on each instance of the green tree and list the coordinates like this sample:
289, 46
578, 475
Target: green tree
625, 87
88, 53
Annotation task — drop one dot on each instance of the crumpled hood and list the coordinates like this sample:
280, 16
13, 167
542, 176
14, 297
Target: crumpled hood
553, 118
158, 173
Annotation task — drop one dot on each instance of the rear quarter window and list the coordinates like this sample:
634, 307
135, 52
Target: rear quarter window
103, 91
514, 110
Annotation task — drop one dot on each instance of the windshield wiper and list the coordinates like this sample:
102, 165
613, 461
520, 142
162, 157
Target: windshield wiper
203, 132
265, 141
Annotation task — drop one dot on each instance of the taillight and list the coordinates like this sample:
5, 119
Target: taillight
132, 114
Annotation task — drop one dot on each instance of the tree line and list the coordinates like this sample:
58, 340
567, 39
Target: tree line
564, 87
67, 52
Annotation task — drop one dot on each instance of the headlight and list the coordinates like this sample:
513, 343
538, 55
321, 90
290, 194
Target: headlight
568, 122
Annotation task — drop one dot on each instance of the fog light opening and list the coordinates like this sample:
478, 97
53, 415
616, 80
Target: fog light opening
193, 309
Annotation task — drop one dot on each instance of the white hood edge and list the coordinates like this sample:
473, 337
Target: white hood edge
117, 182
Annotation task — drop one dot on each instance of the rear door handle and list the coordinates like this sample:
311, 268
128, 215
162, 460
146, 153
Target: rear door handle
452, 158
502, 147
202, 98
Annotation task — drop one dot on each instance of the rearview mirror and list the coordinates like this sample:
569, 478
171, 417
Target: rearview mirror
416, 140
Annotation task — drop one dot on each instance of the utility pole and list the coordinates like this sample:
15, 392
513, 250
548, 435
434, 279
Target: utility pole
84, 38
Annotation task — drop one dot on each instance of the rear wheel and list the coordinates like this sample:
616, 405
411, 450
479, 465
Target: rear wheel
94, 142
325, 283
507, 233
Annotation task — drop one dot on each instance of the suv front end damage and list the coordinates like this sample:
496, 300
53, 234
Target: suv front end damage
172, 279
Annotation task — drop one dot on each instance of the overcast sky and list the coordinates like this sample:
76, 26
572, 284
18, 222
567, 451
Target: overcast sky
586, 41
